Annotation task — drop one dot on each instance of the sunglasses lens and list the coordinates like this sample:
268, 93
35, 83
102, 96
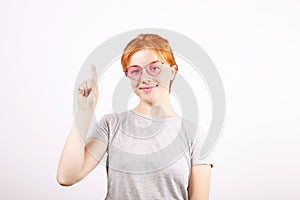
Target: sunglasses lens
153, 69
134, 72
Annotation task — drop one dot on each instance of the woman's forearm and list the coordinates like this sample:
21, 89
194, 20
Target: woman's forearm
72, 157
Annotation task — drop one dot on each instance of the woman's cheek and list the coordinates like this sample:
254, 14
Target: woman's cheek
134, 85
164, 79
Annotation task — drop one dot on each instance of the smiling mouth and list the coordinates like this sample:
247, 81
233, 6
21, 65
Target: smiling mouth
149, 87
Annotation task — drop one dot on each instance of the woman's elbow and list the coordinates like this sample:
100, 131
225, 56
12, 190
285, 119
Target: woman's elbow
64, 181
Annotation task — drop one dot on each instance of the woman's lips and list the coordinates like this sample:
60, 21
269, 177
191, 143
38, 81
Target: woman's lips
148, 88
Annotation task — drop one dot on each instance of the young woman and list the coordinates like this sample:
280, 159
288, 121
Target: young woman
152, 152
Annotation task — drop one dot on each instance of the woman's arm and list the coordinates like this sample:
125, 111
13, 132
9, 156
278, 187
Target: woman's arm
76, 162
78, 157
199, 183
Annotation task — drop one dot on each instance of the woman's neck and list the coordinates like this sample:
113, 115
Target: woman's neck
156, 111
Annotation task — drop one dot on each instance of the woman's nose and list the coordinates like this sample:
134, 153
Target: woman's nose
145, 77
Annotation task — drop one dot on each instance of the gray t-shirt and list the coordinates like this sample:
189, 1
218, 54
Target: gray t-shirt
146, 158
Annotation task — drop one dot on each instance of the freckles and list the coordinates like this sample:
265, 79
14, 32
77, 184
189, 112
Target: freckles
134, 85
164, 78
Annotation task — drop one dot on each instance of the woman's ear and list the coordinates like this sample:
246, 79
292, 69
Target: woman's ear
174, 71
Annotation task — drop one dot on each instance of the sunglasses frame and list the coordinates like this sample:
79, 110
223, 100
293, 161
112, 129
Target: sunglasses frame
161, 64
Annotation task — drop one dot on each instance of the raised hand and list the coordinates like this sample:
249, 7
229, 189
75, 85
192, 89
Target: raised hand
87, 92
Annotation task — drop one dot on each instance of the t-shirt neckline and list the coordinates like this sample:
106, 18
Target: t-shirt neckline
149, 118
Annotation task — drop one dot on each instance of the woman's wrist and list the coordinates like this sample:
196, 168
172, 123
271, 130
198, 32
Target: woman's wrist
82, 121
85, 111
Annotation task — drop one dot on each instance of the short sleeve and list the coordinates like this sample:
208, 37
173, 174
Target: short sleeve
198, 157
100, 130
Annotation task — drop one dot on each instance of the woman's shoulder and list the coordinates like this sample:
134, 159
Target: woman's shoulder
192, 128
115, 116
188, 123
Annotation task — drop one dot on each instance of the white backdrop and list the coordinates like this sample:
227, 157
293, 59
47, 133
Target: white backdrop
254, 45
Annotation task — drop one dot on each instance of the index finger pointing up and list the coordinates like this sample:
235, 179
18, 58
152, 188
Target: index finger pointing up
94, 72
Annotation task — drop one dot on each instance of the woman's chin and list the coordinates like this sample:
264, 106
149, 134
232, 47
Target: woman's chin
149, 98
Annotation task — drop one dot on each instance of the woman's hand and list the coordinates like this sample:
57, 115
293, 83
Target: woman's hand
87, 92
